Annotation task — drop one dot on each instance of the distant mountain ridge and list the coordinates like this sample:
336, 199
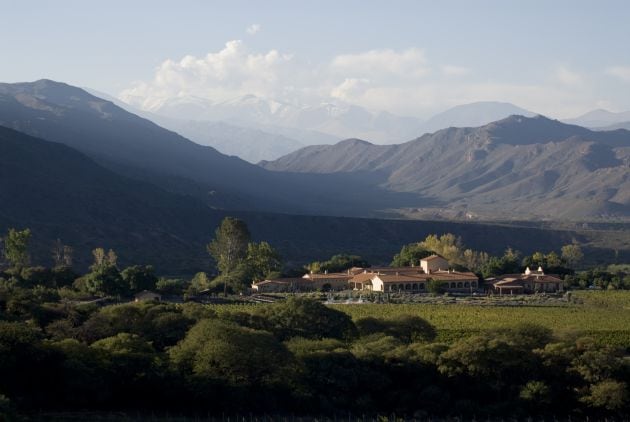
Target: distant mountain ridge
501, 168
249, 143
600, 118
473, 115
336, 119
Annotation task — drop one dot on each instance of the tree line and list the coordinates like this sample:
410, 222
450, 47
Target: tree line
239, 261
296, 357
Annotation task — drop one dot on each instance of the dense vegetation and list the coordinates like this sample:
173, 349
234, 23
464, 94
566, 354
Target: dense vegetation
301, 357
91, 352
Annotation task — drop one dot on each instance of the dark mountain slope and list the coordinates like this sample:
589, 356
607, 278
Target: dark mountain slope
138, 148
519, 166
60, 193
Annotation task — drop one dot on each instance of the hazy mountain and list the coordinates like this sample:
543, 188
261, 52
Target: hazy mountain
473, 115
600, 118
138, 148
517, 166
337, 119
250, 144
622, 125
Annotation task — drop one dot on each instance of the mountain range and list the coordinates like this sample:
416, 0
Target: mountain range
338, 119
138, 148
77, 167
60, 193
518, 167
256, 129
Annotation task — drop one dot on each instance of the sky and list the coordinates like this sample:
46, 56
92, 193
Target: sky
559, 58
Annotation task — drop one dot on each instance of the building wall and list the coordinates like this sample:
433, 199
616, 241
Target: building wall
434, 264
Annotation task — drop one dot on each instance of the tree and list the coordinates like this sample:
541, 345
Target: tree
241, 357
434, 286
507, 264
572, 254
104, 277
406, 328
62, 254
263, 261
16, 247
553, 260
337, 263
409, 255
139, 277
229, 246
302, 317
608, 394
448, 245
538, 258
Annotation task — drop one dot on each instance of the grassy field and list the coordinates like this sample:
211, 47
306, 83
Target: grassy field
604, 315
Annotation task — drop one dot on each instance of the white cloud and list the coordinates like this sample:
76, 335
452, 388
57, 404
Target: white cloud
399, 81
382, 64
231, 72
451, 70
567, 76
350, 89
621, 72
253, 28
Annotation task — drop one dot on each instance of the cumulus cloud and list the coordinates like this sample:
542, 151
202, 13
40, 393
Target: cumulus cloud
350, 89
253, 28
621, 72
404, 81
230, 72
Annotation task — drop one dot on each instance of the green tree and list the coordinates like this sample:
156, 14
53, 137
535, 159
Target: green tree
239, 356
409, 255
263, 261
406, 328
572, 255
538, 259
607, 394
16, 247
553, 260
337, 263
139, 277
199, 282
104, 278
434, 286
229, 246
302, 317
447, 245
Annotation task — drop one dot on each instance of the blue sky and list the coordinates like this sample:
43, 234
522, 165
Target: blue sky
560, 58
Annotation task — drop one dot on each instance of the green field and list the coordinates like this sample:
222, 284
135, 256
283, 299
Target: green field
604, 315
